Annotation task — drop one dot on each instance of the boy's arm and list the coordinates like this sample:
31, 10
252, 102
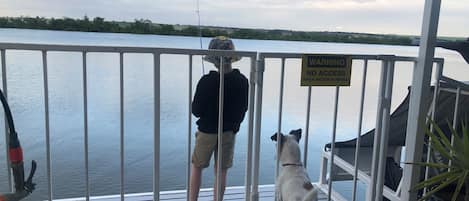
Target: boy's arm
199, 99
246, 96
244, 100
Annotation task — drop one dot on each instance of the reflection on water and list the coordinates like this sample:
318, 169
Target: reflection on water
65, 77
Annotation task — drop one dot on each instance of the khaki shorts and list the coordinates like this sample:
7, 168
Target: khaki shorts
206, 145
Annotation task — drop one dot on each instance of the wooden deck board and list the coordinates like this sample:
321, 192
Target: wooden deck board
266, 193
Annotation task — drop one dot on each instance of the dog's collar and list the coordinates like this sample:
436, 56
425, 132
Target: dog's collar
292, 164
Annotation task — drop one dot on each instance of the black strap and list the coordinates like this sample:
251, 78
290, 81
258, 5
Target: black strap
292, 164
14, 142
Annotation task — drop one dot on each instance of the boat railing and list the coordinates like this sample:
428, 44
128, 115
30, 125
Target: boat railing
343, 167
121, 51
257, 67
330, 161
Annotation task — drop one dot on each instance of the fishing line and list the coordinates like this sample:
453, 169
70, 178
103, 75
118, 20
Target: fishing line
200, 36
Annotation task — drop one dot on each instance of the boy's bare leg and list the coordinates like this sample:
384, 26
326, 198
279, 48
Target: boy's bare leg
223, 183
196, 175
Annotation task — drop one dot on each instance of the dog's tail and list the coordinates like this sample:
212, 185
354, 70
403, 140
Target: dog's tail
312, 195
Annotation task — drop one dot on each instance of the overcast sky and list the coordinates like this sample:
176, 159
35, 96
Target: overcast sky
370, 16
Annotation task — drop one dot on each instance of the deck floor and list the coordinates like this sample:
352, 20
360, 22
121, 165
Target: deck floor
266, 193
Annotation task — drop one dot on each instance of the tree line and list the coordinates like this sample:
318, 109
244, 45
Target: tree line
144, 26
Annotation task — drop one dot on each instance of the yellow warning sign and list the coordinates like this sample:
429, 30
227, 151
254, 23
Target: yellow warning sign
325, 70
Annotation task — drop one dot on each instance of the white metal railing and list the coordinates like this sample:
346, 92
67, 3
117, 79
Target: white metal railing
376, 188
7, 137
156, 52
283, 57
381, 130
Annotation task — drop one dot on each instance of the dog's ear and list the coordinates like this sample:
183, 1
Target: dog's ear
297, 134
274, 138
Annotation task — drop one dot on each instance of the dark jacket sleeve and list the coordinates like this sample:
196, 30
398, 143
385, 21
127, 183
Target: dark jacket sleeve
198, 104
244, 99
245, 96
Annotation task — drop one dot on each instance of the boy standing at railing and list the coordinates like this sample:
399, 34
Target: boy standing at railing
205, 107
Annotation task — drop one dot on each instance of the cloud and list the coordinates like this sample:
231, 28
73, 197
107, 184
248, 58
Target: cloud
376, 16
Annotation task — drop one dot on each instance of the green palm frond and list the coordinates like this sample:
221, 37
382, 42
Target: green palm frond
456, 151
459, 186
443, 139
439, 187
465, 133
436, 180
437, 145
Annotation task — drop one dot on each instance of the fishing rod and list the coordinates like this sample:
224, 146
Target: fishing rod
200, 35
22, 188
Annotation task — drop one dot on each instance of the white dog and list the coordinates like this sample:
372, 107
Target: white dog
293, 183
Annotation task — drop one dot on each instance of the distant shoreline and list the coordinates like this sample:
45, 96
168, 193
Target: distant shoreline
142, 26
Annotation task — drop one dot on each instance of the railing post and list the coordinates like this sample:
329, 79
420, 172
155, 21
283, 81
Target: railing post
360, 120
85, 125
385, 131
259, 79
47, 129
436, 91
334, 129
156, 132
279, 123
308, 117
455, 118
280, 110
7, 137
378, 130
418, 96
121, 102
189, 131
220, 129
252, 91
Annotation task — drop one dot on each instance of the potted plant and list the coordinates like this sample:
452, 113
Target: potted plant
457, 171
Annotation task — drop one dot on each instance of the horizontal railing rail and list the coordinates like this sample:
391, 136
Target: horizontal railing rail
124, 49
275, 55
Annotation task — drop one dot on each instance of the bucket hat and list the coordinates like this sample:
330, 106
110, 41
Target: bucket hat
221, 43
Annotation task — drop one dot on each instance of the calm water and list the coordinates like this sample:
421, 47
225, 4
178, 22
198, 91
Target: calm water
26, 98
